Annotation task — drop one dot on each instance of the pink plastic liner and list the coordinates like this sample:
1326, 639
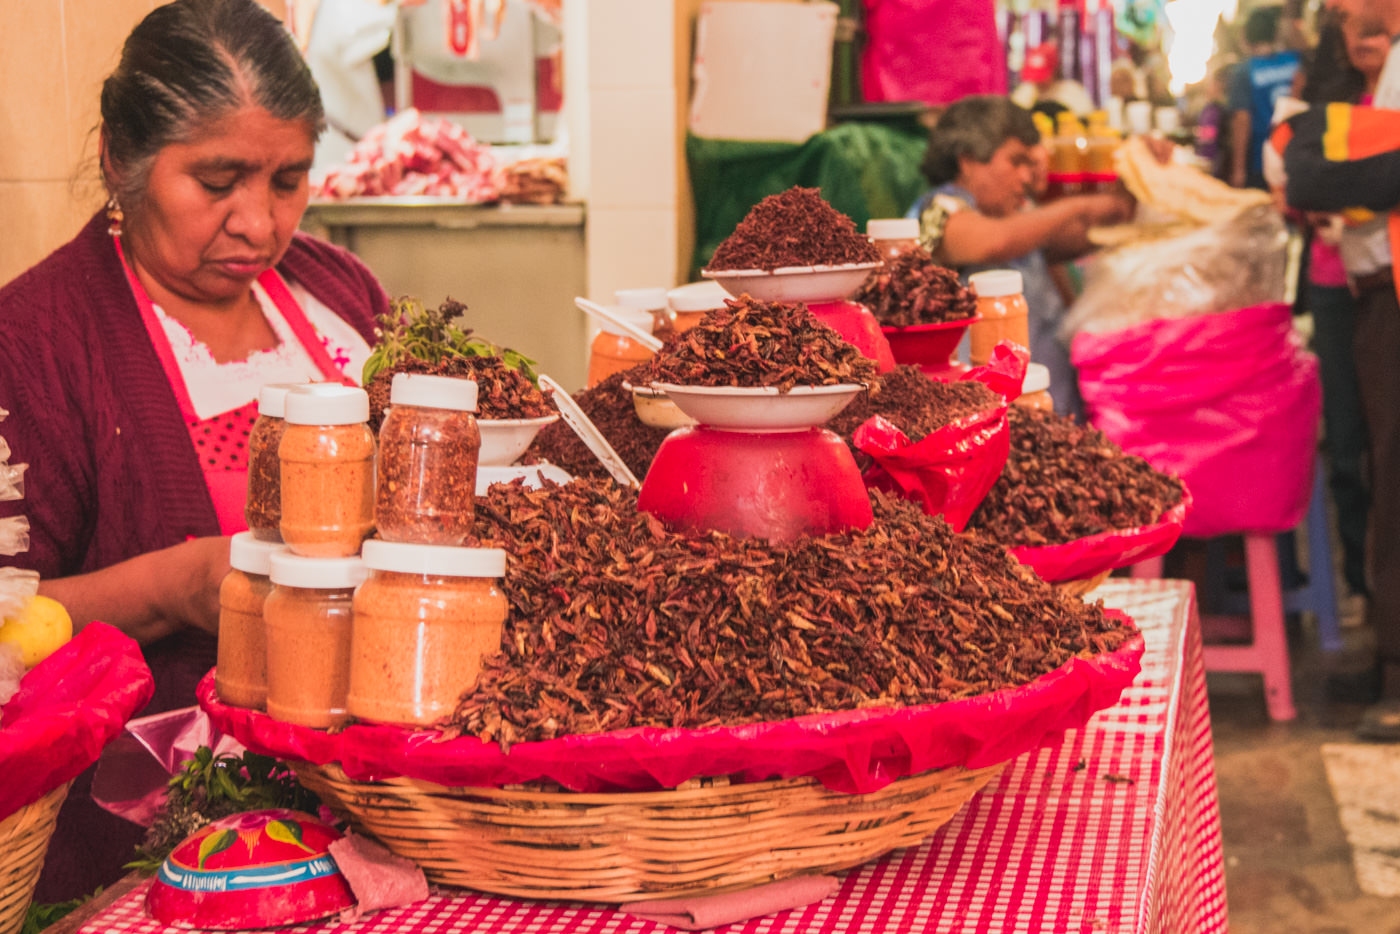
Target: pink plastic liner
68, 707
848, 751
1096, 554
949, 471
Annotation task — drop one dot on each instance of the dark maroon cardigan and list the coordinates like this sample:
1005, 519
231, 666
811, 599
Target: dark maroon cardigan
112, 471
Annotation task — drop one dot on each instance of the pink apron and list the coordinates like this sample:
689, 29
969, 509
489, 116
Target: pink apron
221, 442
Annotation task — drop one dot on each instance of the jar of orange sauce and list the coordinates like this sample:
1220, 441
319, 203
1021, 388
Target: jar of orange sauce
692, 301
612, 351
1035, 389
1003, 313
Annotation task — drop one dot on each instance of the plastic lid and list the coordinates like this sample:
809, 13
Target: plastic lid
327, 404
1037, 379
252, 555
697, 296
641, 298
434, 559
433, 392
995, 282
293, 570
639, 317
892, 228
272, 398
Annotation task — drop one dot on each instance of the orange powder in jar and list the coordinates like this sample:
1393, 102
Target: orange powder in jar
263, 510
1003, 313
327, 472
308, 617
424, 619
241, 675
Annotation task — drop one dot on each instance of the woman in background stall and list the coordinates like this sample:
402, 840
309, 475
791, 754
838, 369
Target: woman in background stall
979, 214
131, 358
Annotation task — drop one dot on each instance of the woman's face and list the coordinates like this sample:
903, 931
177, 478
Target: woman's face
1000, 185
1367, 44
221, 208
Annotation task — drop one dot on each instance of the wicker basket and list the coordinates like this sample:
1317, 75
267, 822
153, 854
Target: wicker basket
1078, 588
706, 836
24, 839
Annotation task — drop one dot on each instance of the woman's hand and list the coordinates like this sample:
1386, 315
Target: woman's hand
153, 595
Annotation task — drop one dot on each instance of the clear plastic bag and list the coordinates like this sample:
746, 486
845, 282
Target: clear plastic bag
1222, 267
17, 587
11, 480
14, 535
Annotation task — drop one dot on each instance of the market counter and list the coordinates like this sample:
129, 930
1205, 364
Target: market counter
1112, 828
516, 266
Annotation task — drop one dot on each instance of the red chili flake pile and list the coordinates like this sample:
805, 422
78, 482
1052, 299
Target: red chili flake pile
913, 403
753, 343
796, 227
911, 289
1064, 481
617, 622
609, 406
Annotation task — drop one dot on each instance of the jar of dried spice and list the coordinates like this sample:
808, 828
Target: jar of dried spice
241, 675
613, 351
263, 510
892, 235
308, 615
327, 471
1003, 313
428, 449
1035, 389
424, 619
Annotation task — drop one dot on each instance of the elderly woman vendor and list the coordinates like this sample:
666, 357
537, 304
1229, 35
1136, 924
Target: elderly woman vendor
981, 160
131, 358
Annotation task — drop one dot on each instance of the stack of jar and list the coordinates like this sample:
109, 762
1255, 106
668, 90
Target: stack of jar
317, 624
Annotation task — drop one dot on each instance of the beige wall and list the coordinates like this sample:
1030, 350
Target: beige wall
54, 55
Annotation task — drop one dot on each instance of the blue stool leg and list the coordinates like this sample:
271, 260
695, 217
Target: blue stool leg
1320, 594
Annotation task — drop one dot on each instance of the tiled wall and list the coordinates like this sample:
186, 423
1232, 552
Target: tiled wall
54, 55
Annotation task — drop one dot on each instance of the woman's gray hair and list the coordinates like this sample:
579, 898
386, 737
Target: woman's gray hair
189, 63
975, 127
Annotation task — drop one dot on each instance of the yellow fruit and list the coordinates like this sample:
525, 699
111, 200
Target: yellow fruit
37, 630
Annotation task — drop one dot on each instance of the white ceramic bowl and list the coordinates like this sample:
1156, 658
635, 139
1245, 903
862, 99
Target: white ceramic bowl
505, 439
657, 409
532, 474
760, 408
794, 283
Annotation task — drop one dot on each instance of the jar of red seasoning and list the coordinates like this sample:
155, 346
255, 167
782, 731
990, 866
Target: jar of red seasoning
613, 351
308, 613
263, 510
424, 619
241, 675
893, 235
1035, 389
428, 449
1003, 311
327, 471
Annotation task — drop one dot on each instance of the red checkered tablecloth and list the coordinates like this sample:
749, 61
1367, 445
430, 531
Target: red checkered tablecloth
1112, 828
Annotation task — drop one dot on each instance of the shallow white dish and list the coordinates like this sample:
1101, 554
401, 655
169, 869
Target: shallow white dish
760, 408
505, 439
532, 474
656, 409
793, 283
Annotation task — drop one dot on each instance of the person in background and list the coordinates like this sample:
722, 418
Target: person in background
1347, 158
978, 215
1265, 76
1345, 67
131, 357
1212, 124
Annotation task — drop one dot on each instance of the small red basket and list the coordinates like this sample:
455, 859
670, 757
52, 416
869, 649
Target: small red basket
927, 345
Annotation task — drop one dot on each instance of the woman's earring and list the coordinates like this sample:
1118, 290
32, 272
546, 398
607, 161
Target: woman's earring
114, 217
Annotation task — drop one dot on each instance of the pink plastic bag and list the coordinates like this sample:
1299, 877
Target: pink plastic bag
1229, 402
68, 707
847, 751
948, 471
910, 43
